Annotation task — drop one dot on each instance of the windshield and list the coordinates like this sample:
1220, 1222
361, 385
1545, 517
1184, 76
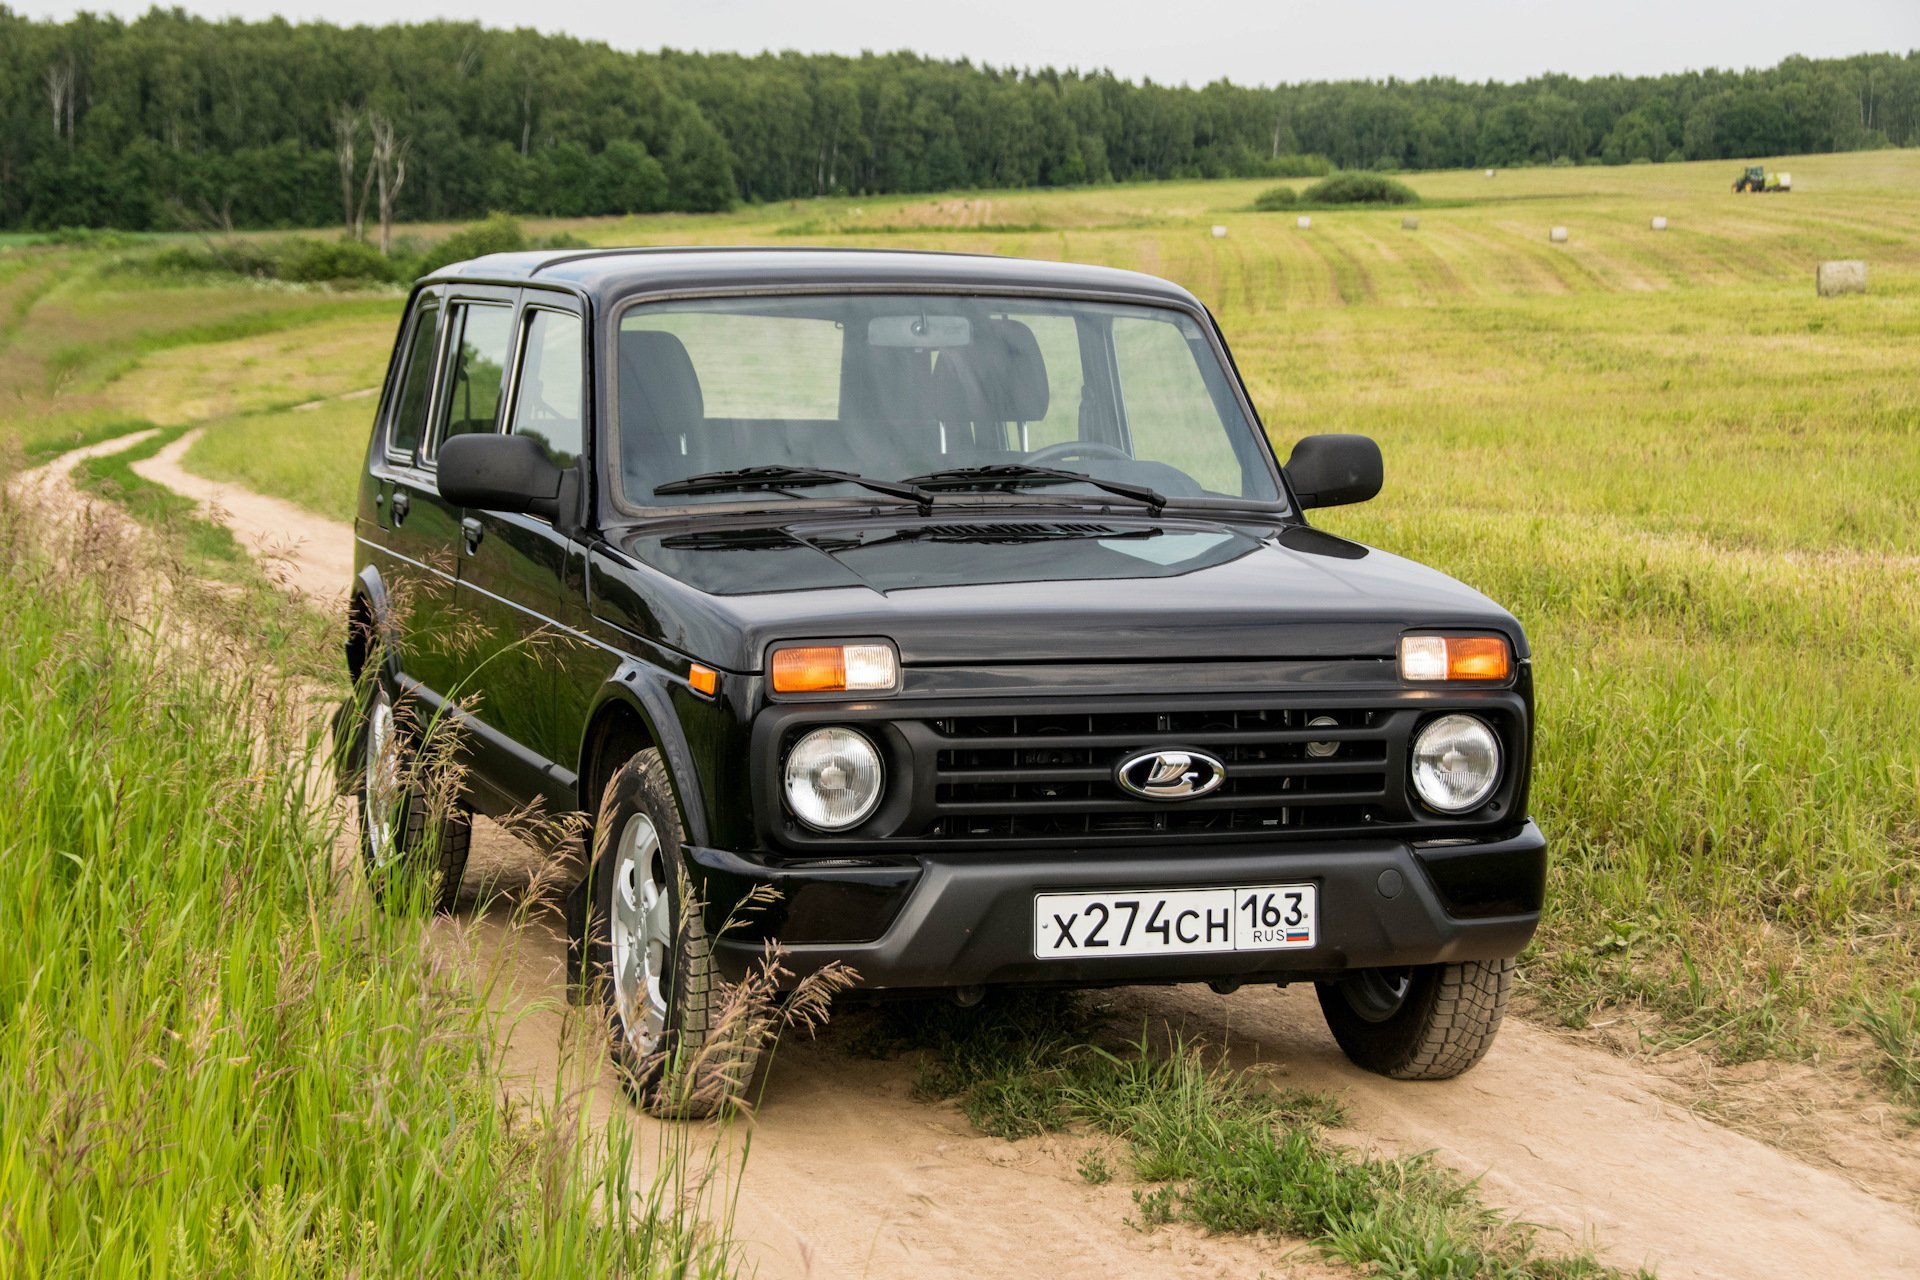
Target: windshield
896, 387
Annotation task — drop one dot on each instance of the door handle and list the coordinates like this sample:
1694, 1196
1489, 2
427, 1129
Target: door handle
472, 530
401, 505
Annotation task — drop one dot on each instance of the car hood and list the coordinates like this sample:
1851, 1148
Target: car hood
1029, 590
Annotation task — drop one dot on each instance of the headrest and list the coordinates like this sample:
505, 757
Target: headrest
1020, 385
1000, 377
659, 390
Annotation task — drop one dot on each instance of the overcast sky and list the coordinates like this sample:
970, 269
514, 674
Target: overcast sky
1181, 41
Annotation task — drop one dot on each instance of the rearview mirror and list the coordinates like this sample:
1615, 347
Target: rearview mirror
1335, 469
921, 332
501, 473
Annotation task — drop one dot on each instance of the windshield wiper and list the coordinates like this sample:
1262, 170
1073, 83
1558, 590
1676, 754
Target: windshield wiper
1007, 474
783, 477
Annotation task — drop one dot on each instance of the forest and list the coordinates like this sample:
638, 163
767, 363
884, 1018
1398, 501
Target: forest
171, 121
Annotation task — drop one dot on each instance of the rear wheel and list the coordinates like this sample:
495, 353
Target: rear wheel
412, 855
681, 1050
1418, 1022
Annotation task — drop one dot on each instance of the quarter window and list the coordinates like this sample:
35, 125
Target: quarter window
547, 403
416, 382
483, 337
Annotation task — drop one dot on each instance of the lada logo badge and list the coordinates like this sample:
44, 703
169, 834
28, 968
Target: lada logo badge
1170, 775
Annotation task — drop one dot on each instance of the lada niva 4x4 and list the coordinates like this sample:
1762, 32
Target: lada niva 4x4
950, 618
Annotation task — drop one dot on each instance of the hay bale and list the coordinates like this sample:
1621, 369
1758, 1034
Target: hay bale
1219, 232
1303, 222
1489, 173
1558, 235
1659, 224
1409, 224
1835, 278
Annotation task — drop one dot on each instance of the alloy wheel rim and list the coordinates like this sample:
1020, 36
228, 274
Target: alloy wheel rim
1377, 994
380, 794
640, 927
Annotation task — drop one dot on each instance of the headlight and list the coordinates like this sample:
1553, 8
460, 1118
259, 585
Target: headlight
834, 778
1456, 763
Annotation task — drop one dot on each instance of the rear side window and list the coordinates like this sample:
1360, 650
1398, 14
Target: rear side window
482, 339
416, 382
547, 401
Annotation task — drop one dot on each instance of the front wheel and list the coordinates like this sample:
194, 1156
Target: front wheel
1418, 1022
682, 1049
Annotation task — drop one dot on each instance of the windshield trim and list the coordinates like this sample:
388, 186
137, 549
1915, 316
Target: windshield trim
608, 354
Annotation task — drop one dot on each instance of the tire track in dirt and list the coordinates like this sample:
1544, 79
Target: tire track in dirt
308, 554
850, 1175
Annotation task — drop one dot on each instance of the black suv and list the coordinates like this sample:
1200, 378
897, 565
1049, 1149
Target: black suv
948, 617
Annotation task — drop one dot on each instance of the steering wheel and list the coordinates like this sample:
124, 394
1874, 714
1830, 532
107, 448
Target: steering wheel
1077, 449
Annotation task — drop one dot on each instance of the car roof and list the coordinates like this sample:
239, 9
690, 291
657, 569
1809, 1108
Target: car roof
610, 276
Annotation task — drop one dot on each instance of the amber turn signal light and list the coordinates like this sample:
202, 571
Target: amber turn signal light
835, 668
704, 680
1424, 658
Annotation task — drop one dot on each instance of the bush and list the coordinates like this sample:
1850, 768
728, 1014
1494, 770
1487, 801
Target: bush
321, 261
1291, 167
500, 233
1274, 199
1360, 188
88, 238
233, 257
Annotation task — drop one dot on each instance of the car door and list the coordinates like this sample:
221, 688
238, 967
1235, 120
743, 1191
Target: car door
414, 553
443, 635
526, 579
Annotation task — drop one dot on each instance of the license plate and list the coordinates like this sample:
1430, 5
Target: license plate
1275, 917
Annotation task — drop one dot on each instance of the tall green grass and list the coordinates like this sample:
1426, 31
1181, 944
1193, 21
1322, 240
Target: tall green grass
215, 1059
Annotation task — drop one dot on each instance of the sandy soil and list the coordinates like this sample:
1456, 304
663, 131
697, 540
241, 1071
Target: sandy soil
308, 554
851, 1176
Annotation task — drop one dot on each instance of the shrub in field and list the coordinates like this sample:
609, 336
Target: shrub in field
500, 233
88, 238
232, 257
1360, 188
322, 261
1274, 199
1308, 166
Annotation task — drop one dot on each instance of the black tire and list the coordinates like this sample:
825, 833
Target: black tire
681, 1050
413, 856
1424, 1022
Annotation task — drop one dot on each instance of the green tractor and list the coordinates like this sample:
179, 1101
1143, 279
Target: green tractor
1757, 181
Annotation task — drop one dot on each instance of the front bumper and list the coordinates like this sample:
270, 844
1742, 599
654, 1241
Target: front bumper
958, 920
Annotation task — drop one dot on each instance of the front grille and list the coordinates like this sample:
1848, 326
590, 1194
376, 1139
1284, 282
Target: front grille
1051, 776
1303, 765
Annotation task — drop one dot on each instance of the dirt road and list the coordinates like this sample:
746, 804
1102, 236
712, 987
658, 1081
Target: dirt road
850, 1176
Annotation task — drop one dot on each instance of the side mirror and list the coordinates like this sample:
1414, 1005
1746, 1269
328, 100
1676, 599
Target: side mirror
1334, 470
501, 473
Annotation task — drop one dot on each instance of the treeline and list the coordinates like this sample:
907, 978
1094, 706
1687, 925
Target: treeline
174, 120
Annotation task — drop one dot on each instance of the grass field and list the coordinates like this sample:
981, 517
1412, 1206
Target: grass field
215, 1057
1695, 482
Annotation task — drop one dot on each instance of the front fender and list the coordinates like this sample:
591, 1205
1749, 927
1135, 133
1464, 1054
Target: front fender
648, 692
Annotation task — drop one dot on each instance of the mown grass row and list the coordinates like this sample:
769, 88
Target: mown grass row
1213, 1145
214, 1059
